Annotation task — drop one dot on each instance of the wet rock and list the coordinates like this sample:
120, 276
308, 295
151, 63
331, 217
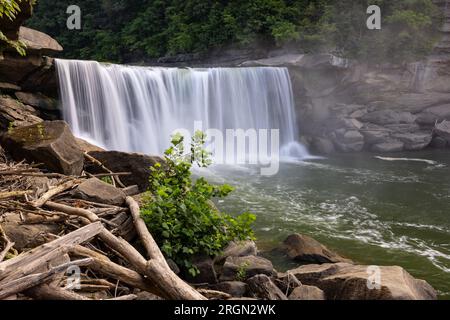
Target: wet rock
438, 143
323, 146
138, 164
351, 282
305, 249
349, 141
262, 287
50, 143
389, 146
242, 268
414, 141
383, 117
443, 130
98, 191
374, 134
433, 114
307, 293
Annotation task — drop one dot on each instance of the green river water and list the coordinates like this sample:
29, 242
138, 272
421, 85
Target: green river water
372, 211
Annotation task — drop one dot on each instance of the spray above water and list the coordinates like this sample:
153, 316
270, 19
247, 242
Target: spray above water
136, 109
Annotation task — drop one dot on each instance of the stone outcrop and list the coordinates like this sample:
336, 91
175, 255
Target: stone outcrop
15, 114
305, 249
38, 43
98, 191
49, 143
344, 281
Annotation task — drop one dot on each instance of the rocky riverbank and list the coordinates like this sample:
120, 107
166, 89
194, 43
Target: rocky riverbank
68, 177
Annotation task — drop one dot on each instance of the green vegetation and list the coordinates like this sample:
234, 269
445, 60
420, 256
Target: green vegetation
179, 212
135, 30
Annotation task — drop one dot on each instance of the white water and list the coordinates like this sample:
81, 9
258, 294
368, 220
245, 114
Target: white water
136, 109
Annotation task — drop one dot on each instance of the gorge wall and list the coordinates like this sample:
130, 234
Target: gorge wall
342, 106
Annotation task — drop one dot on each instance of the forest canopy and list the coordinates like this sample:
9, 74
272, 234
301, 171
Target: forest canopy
136, 30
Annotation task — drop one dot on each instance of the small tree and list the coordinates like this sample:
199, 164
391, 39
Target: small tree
179, 211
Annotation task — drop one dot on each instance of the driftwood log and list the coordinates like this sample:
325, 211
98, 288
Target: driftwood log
112, 267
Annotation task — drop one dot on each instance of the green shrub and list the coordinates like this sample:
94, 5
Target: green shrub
179, 212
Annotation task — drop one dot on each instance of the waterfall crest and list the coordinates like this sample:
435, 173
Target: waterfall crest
136, 109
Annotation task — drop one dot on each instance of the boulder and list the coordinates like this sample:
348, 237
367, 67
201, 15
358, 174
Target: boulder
374, 134
349, 141
49, 143
307, 293
234, 288
389, 146
323, 146
207, 272
101, 192
87, 146
414, 141
287, 282
15, 114
262, 287
242, 268
38, 42
443, 130
438, 143
305, 249
37, 100
383, 117
353, 282
433, 114
238, 249
138, 164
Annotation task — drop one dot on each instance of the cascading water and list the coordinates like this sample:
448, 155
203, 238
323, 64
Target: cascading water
136, 109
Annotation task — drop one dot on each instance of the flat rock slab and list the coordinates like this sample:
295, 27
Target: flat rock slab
305, 249
96, 190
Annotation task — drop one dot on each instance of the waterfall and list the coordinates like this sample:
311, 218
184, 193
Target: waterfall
136, 109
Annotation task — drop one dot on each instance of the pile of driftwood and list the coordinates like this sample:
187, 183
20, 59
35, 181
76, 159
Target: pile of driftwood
90, 242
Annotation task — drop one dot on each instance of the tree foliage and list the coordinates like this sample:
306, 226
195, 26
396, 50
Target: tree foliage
123, 31
179, 211
9, 10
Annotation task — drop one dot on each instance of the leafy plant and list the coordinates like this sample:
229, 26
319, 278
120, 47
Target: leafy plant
179, 211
